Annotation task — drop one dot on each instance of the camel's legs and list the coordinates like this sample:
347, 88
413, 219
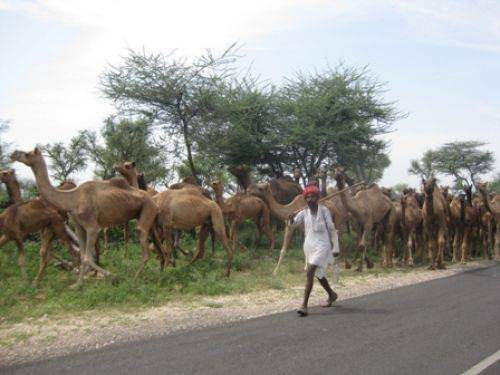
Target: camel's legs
266, 228
20, 258
143, 239
59, 230
220, 231
409, 246
456, 244
45, 252
105, 234
92, 232
3, 240
234, 234
126, 236
441, 245
465, 244
203, 235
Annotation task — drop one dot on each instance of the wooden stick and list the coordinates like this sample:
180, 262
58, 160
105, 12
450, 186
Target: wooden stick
340, 191
333, 194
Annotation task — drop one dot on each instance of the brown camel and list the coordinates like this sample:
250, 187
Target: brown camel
94, 205
493, 206
187, 209
368, 208
471, 222
8, 177
128, 170
284, 189
22, 218
411, 220
241, 207
135, 179
435, 220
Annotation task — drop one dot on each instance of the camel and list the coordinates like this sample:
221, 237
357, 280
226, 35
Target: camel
435, 220
471, 221
94, 205
135, 179
485, 224
240, 207
187, 209
22, 218
284, 189
128, 170
8, 177
493, 206
368, 208
411, 219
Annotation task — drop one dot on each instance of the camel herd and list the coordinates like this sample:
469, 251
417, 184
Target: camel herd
431, 224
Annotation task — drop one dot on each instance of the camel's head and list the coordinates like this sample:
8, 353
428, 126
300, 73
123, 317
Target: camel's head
7, 175
481, 187
429, 185
216, 185
126, 168
296, 173
340, 176
30, 158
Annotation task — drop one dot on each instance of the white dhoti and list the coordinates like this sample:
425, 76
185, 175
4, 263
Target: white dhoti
321, 238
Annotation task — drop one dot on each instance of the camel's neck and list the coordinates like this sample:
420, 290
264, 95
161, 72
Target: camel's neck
348, 201
64, 200
487, 201
14, 191
284, 211
429, 202
219, 198
323, 186
132, 180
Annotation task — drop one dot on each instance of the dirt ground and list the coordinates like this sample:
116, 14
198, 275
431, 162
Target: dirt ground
41, 338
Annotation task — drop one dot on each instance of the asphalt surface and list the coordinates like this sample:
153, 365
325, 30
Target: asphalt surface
444, 326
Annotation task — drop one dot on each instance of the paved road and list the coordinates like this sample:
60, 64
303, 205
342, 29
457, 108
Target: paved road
443, 326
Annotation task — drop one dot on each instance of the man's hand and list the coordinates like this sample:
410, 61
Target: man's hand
291, 216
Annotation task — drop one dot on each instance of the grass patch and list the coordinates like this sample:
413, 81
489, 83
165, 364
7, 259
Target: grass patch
251, 271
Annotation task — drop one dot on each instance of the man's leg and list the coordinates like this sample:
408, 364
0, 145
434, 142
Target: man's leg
332, 296
310, 271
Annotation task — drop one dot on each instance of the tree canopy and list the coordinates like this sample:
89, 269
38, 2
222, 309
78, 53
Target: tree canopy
425, 167
314, 119
172, 91
127, 139
66, 160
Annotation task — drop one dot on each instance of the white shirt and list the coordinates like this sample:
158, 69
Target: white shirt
320, 235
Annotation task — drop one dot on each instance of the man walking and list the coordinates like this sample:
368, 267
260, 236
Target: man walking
321, 244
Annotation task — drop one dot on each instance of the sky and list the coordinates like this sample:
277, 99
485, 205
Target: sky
440, 59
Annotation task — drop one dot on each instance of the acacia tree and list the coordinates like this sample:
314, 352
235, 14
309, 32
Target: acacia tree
243, 127
464, 161
424, 167
127, 139
172, 91
65, 160
334, 117
313, 120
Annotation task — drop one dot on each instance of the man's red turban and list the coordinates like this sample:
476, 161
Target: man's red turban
310, 189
